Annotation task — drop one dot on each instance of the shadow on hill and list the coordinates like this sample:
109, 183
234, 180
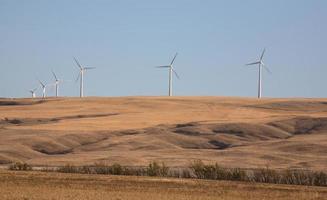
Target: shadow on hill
38, 121
19, 102
305, 106
193, 139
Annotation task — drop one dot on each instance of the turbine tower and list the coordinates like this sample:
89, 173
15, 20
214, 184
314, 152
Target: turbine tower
260, 65
81, 76
33, 92
171, 70
56, 83
44, 86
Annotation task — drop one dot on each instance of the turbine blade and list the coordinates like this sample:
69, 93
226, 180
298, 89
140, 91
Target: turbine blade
263, 53
41, 83
64, 81
254, 63
79, 75
78, 63
267, 69
87, 68
55, 76
162, 66
176, 73
173, 59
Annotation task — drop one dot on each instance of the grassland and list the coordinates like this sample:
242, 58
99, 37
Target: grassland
41, 185
134, 131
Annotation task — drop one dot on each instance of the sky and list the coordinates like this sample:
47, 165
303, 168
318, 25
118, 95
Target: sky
126, 39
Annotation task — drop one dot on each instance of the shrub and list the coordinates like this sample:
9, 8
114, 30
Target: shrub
266, 175
186, 173
237, 174
154, 169
101, 168
85, 170
164, 171
116, 169
68, 169
214, 172
320, 179
19, 166
197, 168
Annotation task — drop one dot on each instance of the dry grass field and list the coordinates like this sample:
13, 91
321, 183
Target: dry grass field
40, 185
235, 132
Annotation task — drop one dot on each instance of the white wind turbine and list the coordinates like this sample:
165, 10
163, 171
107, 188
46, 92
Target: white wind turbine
33, 92
56, 83
81, 76
44, 86
260, 65
171, 70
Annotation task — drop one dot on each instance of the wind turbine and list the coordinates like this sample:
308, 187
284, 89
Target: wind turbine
81, 76
44, 86
56, 83
171, 70
260, 65
33, 92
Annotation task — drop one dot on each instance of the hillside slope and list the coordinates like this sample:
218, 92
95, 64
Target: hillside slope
235, 132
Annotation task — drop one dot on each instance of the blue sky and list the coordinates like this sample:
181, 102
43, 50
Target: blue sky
125, 39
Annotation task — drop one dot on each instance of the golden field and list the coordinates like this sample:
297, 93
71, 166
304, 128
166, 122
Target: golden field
40, 185
133, 131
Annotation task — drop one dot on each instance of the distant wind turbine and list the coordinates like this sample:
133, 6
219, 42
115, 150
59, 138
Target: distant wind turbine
33, 92
81, 76
44, 86
56, 83
171, 70
260, 65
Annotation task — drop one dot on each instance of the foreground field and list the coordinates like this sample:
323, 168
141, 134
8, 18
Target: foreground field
41, 185
235, 132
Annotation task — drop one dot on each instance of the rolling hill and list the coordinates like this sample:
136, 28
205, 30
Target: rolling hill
234, 132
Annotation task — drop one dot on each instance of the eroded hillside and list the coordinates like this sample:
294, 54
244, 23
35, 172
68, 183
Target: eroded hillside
236, 132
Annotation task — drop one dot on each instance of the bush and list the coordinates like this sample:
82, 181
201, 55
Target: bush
237, 174
297, 177
215, 172
85, 170
19, 166
116, 169
320, 179
186, 173
101, 168
154, 169
197, 168
266, 175
69, 169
